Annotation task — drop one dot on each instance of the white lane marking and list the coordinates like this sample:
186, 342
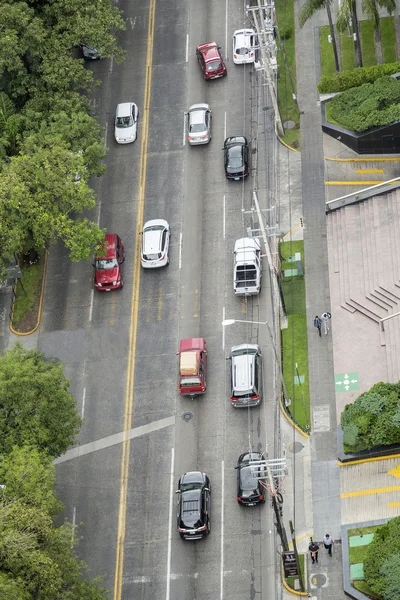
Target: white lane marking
187, 47
91, 306
225, 126
171, 507
223, 328
174, 577
73, 527
223, 224
180, 250
83, 402
105, 134
226, 28
222, 526
184, 129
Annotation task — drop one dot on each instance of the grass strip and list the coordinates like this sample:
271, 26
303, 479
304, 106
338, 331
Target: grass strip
327, 57
292, 580
388, 37
27, 297
347, 52
367, 43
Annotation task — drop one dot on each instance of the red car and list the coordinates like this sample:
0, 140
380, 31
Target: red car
108, 274
192, 366
211, 61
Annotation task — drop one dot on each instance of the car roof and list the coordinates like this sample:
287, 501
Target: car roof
243, 35
124, 109
247, 243
197, 116
111, 241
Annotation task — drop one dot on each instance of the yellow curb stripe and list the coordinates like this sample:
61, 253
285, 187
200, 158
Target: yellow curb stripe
366, 460
284, 143
393, 504
40, 303
369, 170
360, 160
291, 231
384, 490
287, 586
306, 535
303, 433
366, 183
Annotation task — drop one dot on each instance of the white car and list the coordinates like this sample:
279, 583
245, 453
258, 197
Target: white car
126, 123
199, 124
244, 44
155, 244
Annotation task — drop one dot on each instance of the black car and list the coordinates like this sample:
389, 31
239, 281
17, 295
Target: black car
236, 157
250, 491
194, 506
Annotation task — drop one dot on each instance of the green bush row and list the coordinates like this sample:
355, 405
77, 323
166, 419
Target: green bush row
370, 105
355, 77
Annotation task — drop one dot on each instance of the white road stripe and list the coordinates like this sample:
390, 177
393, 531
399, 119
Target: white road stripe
225, 126
187, 47
91, 305
180, 250
73, 527
222, 523
184, 129
171, 507
223, 328
223, 224
226, 28
83, 402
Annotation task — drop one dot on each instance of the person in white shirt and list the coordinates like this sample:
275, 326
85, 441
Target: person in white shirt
328, 543
325, 320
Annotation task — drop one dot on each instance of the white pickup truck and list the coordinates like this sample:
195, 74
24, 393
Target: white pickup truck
247, 269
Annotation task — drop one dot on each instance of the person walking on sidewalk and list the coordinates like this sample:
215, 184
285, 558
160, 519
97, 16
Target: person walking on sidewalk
328, 543
317, 324
313, 548
325, 319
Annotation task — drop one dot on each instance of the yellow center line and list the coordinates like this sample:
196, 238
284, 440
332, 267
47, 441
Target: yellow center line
121, 526
393, 488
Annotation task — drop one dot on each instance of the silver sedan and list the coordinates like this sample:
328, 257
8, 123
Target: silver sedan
199, 124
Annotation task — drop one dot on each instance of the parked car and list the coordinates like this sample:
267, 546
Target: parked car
192, 366
249, 474
155, 244
236, 157
210, 60
194, 506
126, 118
246, 375
247, 268
244, 44
90, 53
108, 273
199, 124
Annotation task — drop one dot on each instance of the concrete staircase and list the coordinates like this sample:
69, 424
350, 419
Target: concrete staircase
364, 267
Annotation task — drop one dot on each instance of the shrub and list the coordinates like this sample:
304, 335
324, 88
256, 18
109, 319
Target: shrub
373, 419
370, 105
355, 77
382, 563
285, 32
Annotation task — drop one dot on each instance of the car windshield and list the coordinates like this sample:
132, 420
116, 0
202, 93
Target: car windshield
106, 263
124, 122
197, 128
249, 351
192, 485
235, 157
213, 66
186, 381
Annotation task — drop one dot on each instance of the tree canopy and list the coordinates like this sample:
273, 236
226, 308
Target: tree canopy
382, 564
36, 406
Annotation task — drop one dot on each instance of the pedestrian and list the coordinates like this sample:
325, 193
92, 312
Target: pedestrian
325, 319
328, 543
317, 324
313, 548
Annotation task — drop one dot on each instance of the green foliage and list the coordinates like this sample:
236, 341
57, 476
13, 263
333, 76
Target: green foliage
36, 406
382, 564
370, 105
355, 77
372, 420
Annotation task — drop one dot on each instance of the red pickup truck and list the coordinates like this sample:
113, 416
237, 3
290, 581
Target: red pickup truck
192, 366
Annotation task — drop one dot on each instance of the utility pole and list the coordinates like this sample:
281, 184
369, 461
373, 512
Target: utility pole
263, 16
297, 557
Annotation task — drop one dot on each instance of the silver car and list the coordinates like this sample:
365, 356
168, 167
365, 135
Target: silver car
199, 124
155, 244
126, 123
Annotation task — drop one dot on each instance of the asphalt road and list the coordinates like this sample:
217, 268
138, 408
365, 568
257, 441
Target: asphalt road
120, 348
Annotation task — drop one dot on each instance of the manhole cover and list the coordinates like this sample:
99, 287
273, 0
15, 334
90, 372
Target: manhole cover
296, 447
318, 580
289, 124
187, 416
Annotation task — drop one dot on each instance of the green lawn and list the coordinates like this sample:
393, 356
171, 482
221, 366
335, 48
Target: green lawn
357, 555
23, 303
347, 52
291, 580
294, 339
367, 43
285, 18
326, 52
388, 38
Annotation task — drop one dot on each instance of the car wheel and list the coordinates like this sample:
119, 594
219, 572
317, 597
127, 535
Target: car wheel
122, 284
208, 527
167, 262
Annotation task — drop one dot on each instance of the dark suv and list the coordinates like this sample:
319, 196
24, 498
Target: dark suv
194, 506
249, 471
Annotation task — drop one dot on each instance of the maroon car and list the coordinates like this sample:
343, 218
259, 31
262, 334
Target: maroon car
192, 366
108, 273
211, 61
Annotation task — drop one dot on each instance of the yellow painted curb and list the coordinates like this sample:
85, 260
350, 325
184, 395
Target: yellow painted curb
291, 231
303, 433
362, 159
284, 143
287, 586
367, 183
40, 303
366, 460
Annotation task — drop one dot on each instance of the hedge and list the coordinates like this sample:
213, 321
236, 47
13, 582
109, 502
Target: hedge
382, 563
355, 77
370, 105
373, 419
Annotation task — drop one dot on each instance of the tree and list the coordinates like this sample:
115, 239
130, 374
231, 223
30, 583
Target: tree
348, 18
382, 563
308, 9
36, 406
371, 10
12, 589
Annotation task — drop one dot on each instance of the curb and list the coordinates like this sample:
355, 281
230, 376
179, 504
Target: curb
284, 143
303, 433
40, 303
366, 460
348, 160
289, 589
